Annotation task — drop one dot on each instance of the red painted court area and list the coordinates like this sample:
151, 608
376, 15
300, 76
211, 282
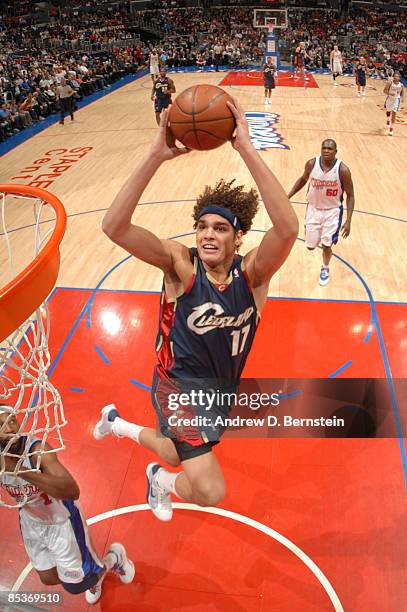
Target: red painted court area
283, 79
318, 524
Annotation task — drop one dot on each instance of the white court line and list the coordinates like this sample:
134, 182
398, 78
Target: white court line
240, 518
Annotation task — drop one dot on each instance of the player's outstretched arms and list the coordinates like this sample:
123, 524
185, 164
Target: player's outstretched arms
117, 223
263, 261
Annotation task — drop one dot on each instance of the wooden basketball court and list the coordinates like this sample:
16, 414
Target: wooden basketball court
307, 524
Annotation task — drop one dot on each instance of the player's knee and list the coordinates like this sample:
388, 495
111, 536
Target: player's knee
209, 493
49, 579
75, 588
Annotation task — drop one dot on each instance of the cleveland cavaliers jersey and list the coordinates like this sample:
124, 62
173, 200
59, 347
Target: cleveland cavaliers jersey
40, 506
162, 87
336, 56
209, 330
269, 70
325, 188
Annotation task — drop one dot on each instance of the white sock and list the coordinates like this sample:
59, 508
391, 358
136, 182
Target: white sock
325, 267
110, 560
125, 429
166, 480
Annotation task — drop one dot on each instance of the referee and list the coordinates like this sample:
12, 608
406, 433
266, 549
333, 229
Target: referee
64, 95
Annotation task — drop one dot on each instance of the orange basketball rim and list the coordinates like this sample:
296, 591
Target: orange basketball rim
26, 292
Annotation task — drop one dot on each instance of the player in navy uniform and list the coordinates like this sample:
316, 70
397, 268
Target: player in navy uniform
163, 88
210, 304
268, 71
300, 55
360, 76
53, 529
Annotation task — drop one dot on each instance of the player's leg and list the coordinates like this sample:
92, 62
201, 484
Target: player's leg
326, 258
265, 94
111, 423
78, 566
313, 228
201, 482
393, 121
388, 122
331, 221
49, 577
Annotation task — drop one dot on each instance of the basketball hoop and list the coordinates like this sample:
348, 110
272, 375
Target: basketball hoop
24, 325
270, 27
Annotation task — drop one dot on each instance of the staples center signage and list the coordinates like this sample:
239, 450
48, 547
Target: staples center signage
262, 133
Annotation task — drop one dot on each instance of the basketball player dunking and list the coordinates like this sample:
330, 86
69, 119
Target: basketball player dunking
328, 178
394, 91
210, 305
335, 62
53, 529
299, 60
163, 88
268, 71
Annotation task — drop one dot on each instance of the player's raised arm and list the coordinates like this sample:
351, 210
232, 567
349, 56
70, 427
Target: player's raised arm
53, 479
274, 248
117, 223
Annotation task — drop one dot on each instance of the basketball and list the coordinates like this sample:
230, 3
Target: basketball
201, 119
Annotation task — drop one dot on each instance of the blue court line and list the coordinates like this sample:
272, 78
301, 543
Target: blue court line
77, 389
155, 202
102, 355
89, 303
27, 133
291, 394
341, 369
363, 212
270, 297
139, 384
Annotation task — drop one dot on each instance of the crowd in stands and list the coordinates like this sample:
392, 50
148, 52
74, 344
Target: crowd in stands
381, 39
34, 57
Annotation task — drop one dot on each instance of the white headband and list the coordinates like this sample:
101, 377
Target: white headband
5, 408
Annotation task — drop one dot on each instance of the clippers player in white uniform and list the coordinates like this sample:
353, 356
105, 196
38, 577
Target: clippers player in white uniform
328, 179
335, 62
53, 529
394, 91
154, 65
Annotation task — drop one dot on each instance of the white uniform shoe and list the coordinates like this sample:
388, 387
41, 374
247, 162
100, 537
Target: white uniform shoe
104, 426
94, 594
124, 568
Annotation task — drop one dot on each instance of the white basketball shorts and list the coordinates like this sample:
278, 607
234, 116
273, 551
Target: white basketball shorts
66, 546
322, 226
392, 103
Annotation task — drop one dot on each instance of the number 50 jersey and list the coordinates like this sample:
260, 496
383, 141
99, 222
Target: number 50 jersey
208, 331
325, 188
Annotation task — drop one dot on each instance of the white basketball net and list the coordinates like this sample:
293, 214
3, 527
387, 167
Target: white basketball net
24, 358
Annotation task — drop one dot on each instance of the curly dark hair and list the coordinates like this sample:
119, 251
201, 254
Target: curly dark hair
243, 204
